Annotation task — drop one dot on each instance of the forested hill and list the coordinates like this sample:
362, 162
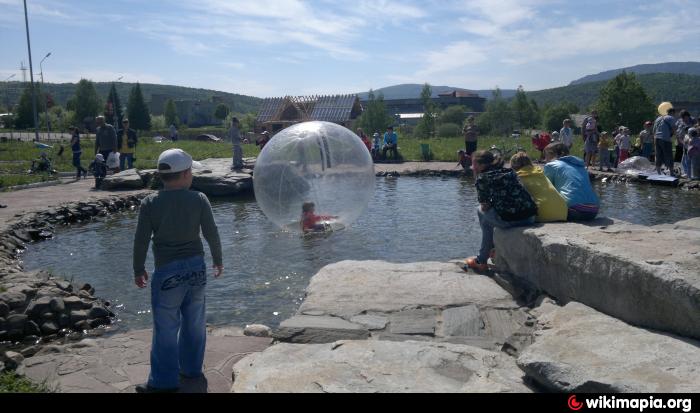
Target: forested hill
660, 87
61, 92
685, 68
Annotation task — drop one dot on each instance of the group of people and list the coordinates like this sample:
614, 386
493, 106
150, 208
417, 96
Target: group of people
525, 193
379, 147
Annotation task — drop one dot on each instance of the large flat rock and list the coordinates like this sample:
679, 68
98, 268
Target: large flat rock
217, 179
350, 288
377, 367
582, 350
646, 276
129, 179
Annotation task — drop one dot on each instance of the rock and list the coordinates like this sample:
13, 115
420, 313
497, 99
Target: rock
88, 342
462, 321
98, 322
64, 285
217, 179
371, 322
257, 330
99, 312
64, 320
85, 295
49, 327
48, 316
420, 321
613, 267
39, 306
17, 321
73, 303
4, 335
349, 288
57, 305
324, 329
50, 349
88, 288
4, 309
3, 324
30, 351
78, 315
32, 329
129, 179
14, 299
582, 350
12, 360
372, 366
82, 325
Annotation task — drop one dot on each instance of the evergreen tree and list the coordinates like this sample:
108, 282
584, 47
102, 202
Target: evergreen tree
86, 103
623, 101
24, 117
553, 116
170, 113
525, 116
139, 116
113, 101
221, 111
498, 117
374, 117
427, 125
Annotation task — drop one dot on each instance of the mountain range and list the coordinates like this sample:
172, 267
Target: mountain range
687, 68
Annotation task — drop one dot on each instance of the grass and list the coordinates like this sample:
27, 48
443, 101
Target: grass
12, 383
8, 180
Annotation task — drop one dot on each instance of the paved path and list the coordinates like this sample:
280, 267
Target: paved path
118, 363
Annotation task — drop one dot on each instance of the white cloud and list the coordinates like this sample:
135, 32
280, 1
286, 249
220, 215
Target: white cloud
452, 57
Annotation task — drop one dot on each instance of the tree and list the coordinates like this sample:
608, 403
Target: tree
525, 116
171, 117
427, 125
498, 117
85, 103
25, 112
221, 111
139, 116
623, 101
374, 117
554, 115
454, 114
113, 101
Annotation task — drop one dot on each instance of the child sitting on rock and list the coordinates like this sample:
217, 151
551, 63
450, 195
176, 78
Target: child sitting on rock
310, 222
551, 206
570, 177
504, 203
98, 167
464, 160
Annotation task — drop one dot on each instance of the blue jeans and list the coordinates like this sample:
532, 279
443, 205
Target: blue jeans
647, 149
488, 221
237, 156
126, 157
179, 322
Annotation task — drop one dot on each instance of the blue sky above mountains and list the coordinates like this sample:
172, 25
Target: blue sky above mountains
279, 47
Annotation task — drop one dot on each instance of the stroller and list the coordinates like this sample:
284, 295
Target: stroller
42, 165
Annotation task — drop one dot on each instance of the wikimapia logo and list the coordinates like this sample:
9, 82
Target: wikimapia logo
574, 404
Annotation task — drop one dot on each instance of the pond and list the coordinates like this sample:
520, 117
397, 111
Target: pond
409, 219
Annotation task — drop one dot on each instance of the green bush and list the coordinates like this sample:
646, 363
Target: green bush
12, 383
449, 130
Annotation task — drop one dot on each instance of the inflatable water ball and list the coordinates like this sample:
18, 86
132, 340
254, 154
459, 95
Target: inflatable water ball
664, 107
318, 162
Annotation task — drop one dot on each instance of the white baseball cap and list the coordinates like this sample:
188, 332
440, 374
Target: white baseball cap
176, 160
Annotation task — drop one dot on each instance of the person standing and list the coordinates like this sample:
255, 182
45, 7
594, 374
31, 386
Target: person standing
235, 134
647, 139
126, 142
664, 128
567, 134
684, 122
77, 152
589, 129
471, 136
105, 138
173, 132
173, 217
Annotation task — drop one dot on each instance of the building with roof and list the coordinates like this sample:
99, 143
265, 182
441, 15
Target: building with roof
278, 113
474, 103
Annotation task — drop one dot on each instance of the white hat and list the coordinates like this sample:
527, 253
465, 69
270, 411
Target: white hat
99, 157
176, 160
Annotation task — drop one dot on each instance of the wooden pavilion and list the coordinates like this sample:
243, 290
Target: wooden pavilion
278, 113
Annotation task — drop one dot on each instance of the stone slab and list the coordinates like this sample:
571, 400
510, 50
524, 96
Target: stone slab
318, 329
462, 321
420, 321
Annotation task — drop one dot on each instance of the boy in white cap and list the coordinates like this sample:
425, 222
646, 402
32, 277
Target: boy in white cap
174, 217
98, 167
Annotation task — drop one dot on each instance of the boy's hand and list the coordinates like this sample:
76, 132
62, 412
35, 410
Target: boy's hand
142, 280
218, 271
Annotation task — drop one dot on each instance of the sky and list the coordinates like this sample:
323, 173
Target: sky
293, 47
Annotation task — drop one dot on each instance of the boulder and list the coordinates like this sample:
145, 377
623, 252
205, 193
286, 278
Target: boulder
129, 179
579, 349
98, 312
350, 288
419, 321
57, 305
371, 366
217, 179
32, 329
78, 315
371, 321
14, 299
39, 306
4, 309
49, 328
17, 321
257, 330
73, 303
12, 360
641, 275
318, 329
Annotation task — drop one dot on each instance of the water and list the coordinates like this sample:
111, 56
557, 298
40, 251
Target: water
409, 219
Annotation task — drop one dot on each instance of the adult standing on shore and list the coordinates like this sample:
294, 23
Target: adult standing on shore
126, 142
105, 138
235, 134
647, 139
77, 152
471, 136
173, 132
684, 122
664, 128
589, 130
566, 134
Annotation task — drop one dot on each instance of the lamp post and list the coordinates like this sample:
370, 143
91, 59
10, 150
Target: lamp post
7, 98
31, 74
48, 120
114, 104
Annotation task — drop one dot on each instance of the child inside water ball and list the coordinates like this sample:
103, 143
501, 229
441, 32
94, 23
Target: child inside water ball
310, 222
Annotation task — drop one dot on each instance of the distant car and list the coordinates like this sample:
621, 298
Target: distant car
208, 138
158, 139
516, 134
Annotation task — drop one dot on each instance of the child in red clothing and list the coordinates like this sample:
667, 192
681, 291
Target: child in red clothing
310, 222
540, 141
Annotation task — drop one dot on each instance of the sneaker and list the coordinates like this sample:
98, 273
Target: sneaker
475, 265
145, 388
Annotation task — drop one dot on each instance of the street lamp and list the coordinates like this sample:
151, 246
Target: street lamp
31, 73
114, 105
48, 120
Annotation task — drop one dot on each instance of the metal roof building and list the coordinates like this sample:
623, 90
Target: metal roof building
278, 113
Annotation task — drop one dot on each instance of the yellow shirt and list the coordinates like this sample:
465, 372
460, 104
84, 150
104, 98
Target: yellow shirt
551, 207
125, 144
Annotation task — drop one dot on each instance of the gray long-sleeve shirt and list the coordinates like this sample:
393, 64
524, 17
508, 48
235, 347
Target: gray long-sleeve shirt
105, 138
174, 218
